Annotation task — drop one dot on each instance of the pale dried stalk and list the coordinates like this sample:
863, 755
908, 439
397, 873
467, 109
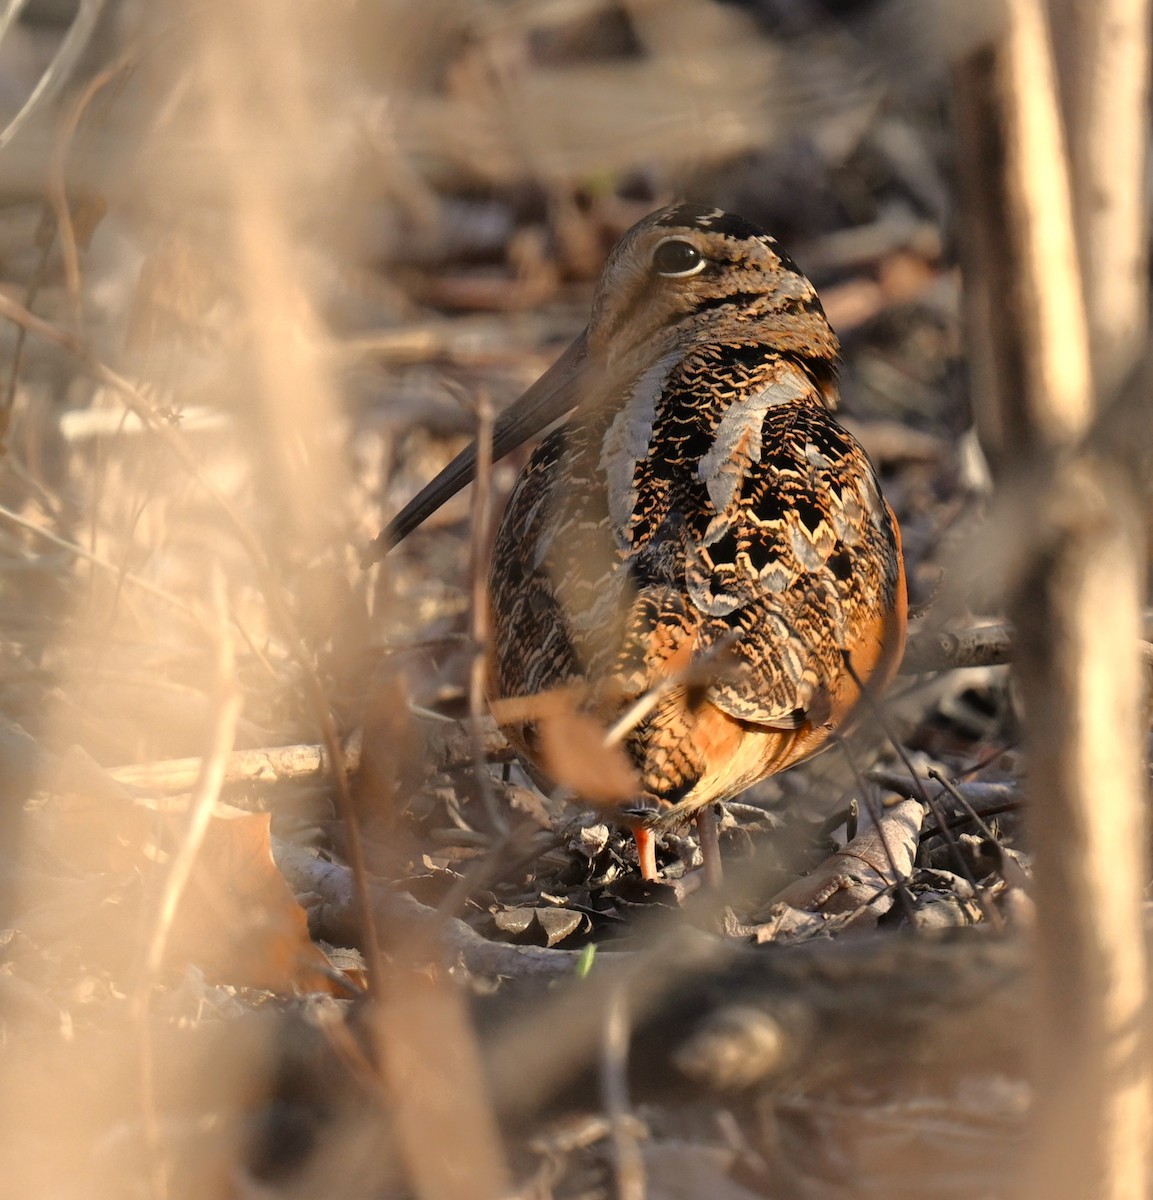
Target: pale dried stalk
1103, 49
1081, 688
1036, 382
268, 765
1075, 601
447, 749
425, 1045
228, 706
445, 1121
479, 614
210, 779
243, 48
123, 576
979, 646
245, 54
1059, 402
59, 70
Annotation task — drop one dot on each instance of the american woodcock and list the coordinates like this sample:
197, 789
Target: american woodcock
701, 532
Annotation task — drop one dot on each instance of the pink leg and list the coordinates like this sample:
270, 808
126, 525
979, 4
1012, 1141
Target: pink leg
646, 852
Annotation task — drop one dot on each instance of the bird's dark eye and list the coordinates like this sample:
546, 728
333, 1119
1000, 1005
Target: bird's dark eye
674, 257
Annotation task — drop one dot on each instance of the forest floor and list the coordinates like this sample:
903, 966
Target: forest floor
183, 991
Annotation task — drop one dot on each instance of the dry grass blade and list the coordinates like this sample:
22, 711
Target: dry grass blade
1103, 51
59, 70
479, 607
207, 789
204, 797
930, 801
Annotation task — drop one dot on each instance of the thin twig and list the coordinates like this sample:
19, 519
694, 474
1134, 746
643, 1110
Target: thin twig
972, 813
279, 610
1014, 874
39, 273
229, 702
870, 803
228, 705
56, 185
982, 646
922, 794
8, 515
479, 607
693, 672
56, 73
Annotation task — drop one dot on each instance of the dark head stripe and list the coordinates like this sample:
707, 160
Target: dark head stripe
712, 220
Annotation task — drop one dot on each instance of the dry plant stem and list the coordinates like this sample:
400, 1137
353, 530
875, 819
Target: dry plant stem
1033, 390
11, 13
271, 589
57, 187
981, 646
278, 764
628, 1162
1103, 50
1075, 596
479, 611
229, 702
125, 576
322, 714
228, 705
56, 73
922, 794
270, 765
30, 293
441, 1110
874, 808
1081, 689
266, 185
422, 1041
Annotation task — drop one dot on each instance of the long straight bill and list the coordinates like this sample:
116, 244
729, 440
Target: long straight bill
553, 395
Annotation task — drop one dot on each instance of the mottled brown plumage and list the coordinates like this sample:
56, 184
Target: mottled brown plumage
701, 519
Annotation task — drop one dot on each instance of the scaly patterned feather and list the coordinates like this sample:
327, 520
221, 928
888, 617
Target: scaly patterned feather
701, 531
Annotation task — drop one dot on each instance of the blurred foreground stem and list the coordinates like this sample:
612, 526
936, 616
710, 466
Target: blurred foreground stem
1071, 544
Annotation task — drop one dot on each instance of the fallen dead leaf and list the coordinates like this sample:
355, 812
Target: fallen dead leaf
238, 920
574, 754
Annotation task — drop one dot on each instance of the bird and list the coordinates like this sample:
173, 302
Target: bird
699, 544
